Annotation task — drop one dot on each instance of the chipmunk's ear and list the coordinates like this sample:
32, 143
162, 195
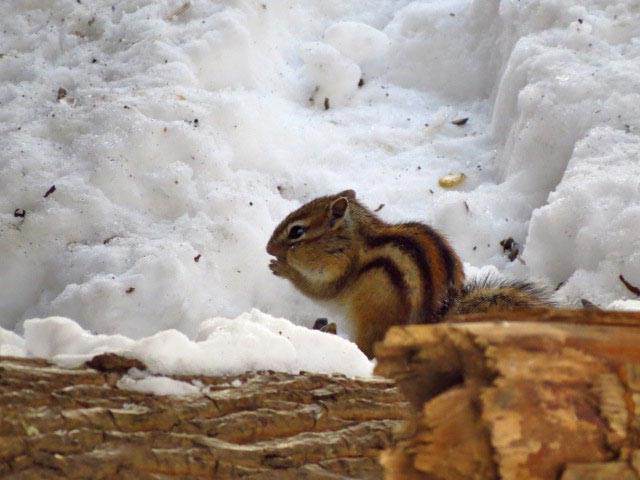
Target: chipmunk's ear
337, 210
350, 194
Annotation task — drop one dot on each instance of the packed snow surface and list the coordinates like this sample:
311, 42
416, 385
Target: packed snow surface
158, 385
177, 139
253, 341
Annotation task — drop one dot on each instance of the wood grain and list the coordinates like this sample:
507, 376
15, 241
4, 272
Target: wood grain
541, 394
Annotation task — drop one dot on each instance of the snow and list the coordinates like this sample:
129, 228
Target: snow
67, 342
334, 76
11, 344
158, 222
625, 305
253, 341
592, 219
357, 41
158, 385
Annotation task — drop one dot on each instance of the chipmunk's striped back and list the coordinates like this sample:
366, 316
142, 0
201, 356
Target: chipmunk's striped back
421, 265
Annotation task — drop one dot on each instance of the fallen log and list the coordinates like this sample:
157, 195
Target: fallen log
531, 395
542, 394
60, 423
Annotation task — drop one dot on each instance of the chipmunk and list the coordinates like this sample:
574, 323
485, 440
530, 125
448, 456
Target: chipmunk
335, 248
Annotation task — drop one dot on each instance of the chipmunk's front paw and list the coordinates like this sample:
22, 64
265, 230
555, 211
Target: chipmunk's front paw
279, 268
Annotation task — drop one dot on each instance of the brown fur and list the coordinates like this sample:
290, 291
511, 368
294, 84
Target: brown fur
490, 295
382, 274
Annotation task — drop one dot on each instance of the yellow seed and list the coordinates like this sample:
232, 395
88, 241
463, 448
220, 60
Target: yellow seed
451, 180
178, 11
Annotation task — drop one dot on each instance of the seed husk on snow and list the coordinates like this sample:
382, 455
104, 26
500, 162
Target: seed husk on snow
460, 121
331, 328
631, 288
320, 323
183, 8
108, 239
64, 97
511, 248
451, 180
323, 325
589, 305
52, 189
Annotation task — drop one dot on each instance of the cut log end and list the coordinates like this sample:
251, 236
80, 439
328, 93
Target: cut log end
522, 395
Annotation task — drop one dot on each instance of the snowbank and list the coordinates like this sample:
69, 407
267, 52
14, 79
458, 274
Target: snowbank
562, 80
253, 341
11, 344
592, 219
177, 142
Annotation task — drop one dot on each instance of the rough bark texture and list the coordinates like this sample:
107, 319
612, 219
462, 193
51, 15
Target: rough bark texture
76, 424
542, 394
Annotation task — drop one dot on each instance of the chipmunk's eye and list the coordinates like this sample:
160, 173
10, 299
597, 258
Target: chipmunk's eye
295, 232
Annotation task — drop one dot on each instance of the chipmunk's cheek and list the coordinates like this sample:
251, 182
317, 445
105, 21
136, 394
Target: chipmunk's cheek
295, 261
290, 253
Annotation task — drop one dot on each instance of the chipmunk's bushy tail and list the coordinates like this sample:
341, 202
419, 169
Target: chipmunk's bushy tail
490, 294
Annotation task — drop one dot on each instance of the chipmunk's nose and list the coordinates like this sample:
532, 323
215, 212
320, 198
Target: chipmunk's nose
271, 249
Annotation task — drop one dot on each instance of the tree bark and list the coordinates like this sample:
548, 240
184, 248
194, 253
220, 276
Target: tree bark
542, 394
77, 424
